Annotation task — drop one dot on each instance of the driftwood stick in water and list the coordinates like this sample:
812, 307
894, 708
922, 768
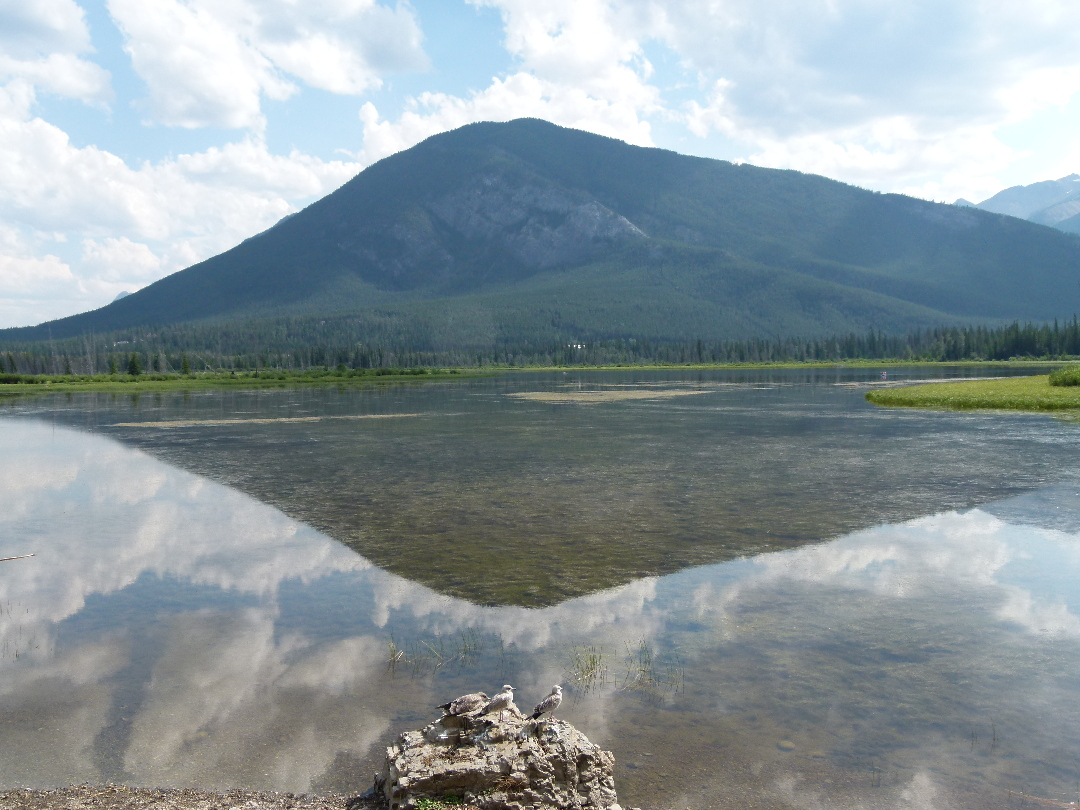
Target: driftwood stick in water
20, 557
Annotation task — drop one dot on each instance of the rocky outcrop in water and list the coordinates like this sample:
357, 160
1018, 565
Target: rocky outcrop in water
499, 762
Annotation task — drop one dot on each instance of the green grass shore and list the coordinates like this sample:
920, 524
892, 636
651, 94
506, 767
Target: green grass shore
1010, 393
21, 384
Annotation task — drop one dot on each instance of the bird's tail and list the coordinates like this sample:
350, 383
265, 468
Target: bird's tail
445, 707
535, 715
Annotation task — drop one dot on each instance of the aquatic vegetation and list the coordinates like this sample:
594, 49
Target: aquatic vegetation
1011, 393
644, 672
1070, 375
431, 655
587, 668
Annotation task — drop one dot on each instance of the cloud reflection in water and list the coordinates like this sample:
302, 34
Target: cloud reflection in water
175, 632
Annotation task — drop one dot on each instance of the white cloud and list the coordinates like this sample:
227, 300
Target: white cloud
135, 224
210, 64
31, 280
582, 66
906, 98
898, 153
896, 97
199, 72
522, 95
41, 42
31, 276
120, 259
591, 45
900, 97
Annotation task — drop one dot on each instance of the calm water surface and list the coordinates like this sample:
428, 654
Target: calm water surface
796, 600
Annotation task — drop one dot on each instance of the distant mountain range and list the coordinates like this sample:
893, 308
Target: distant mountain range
1052, 202
503, 233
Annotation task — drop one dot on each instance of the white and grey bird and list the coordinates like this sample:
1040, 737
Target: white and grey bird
465, 703
549, 704
500, 701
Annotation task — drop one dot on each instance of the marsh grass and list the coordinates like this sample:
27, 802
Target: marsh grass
1068, 376
43, 383
587, 668
644, 672
423, 656
1010, 393
16, 644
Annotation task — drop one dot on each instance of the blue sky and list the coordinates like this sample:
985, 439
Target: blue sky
140, 136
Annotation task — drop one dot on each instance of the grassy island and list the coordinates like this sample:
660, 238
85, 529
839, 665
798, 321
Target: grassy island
1042, 393
266, 378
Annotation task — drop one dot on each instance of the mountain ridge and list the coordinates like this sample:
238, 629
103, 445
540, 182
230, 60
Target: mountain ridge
514, 221
1055, 203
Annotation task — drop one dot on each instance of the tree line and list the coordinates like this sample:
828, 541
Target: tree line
165, 352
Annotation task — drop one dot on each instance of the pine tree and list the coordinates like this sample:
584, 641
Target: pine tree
134, 367
185, 366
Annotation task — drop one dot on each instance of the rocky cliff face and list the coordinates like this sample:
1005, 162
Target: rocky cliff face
503, 219
499, 762
539, 224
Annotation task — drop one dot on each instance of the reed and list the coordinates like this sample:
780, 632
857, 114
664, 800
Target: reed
587, 668
643, 672
432, 654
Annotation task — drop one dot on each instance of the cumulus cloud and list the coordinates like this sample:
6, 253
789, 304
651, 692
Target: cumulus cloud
135, 224
904, 97
522, 95
31, 279
210, 64
581, 65
908, 97
44, 43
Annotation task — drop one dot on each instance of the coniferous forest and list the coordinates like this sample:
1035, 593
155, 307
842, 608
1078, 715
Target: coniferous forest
312, 344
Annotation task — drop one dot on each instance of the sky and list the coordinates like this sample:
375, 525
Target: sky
138, 137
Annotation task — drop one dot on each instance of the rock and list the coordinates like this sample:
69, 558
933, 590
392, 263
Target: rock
499, 762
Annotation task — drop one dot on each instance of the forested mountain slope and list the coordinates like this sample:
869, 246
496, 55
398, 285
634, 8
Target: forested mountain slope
525, 230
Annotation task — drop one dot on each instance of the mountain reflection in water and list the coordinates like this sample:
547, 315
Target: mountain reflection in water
483, 492
172, 631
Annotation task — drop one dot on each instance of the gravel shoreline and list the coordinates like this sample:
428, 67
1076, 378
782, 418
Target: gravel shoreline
121, 797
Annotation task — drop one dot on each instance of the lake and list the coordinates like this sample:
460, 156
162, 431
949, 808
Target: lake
756, 588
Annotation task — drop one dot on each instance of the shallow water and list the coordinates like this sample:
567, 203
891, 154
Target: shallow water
894, 652
481, 493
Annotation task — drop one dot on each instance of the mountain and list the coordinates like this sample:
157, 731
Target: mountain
1051, 202
526, 231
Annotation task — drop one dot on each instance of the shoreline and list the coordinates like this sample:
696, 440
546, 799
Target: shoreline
124, 797
248, 380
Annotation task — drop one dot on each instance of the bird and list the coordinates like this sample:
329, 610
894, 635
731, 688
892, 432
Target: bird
501, 701
465, 703
549, 704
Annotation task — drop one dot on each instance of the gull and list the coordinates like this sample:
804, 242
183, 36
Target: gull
549, 704
465, 703
501, 701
